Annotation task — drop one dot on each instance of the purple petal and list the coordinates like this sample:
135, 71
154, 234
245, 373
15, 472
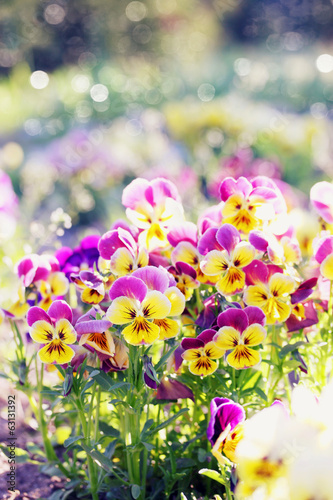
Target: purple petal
208, 241
128, 286
92, 326
62, 255
192, 343
259, 240
208, 315
27, 268
263, 192
321, 196
36, 314
229, 187
304, 290
311, 318
207, 335
91, 280
211, 217
255, 315
161, 189
236, 318
228, 237
149, 381
112, 240
172, 389
256, 272
135, 193
187, 231
325, 247
155, 278
223, 412
90, 242
183, 268
60, 309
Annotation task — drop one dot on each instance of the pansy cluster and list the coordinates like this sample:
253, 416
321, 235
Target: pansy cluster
222, 299
233, 273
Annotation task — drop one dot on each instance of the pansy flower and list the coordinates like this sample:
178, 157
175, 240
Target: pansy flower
248, 204
92, 287
227, 263
240, 331
93, 333
53, 329
270, 290
56, 285
133, 305
159, 279
154, 207
285, 250
186, 278
202, 352
184, 240
225, 428
120, 248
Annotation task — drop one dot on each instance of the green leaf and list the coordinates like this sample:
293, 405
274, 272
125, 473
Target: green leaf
212, 474
147, 426
135, 491
99, 457
129, 408
108, 430
290, 348
148, 446
167, 422
260, 393
71, 440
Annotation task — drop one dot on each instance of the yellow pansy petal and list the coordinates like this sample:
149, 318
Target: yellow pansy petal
143, 258
44, 288
45, 302
102, 342
185, 252
41, 331
231, 442
227, 338
243, 357
203, 366
122, 310
212, 351
141, 217
91, 296
276, 311
56, 352
192, 354
233, 281
65, 331
59, 284
232, 206
122, 262
215, 262
19, 309
155, 305
243, 254
326, 267
141, 331
169, 328
177, 300
254, 335
281, 285
256, 295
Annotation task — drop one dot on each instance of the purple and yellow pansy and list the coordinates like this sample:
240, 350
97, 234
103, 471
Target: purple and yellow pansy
137, 307
202, 353
241, 330
54, 329
226, 264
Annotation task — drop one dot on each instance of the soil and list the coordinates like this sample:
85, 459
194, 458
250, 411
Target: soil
30, 482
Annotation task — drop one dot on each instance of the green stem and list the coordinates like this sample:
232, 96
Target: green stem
39, 414
91, 466
228, 492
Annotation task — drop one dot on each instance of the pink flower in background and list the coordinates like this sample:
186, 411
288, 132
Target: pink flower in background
321, 196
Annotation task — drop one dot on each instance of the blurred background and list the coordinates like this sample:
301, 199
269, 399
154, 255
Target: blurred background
95, 93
